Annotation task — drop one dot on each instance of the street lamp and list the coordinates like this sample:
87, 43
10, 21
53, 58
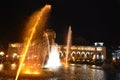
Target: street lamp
2, 53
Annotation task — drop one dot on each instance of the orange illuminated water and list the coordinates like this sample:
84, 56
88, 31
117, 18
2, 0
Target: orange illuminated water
48, 47
29, 38
68, 46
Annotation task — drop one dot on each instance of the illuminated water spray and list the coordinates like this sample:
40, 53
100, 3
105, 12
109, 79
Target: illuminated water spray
68, 46
53, 59
53, 55
37, 21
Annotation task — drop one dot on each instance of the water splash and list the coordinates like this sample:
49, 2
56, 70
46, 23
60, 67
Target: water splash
30, 36
53, 59
68, 45
48, 48
53, 54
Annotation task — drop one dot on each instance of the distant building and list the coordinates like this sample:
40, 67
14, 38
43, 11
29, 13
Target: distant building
76, 53
116, 55
84, 52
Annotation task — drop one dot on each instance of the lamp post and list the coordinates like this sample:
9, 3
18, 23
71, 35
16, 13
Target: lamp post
1, 56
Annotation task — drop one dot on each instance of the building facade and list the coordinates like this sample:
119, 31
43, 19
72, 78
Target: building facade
82, 53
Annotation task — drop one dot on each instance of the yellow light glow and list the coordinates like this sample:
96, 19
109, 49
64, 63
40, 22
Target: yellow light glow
2, 53
1, 67
30, 72
99, 49
36, 72
13, 66
94, 56
27, 72
73, 47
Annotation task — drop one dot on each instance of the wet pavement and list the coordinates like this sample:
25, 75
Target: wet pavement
73, 72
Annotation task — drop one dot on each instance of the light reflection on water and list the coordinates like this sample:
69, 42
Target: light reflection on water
76, 72
83, 72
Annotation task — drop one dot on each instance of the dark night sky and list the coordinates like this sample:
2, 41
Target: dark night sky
93, 20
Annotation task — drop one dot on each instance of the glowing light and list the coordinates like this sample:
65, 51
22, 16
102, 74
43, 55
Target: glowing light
113, 58
94, 56
98, 43
14, 45
87, 48
30, 70
13, 66
1, 53
36, 72
73, 47
14, 55
102, 57
30, 36
27, 72
99, 48
1, 67
118, 57
97, 56
7, 56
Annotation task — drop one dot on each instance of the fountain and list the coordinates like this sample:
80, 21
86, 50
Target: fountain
39, 50
35, 25
52, 55
53, 58
68, 46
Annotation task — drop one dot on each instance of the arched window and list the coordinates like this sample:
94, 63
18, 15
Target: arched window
87, 54
78, 53
83, 54
73, 53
